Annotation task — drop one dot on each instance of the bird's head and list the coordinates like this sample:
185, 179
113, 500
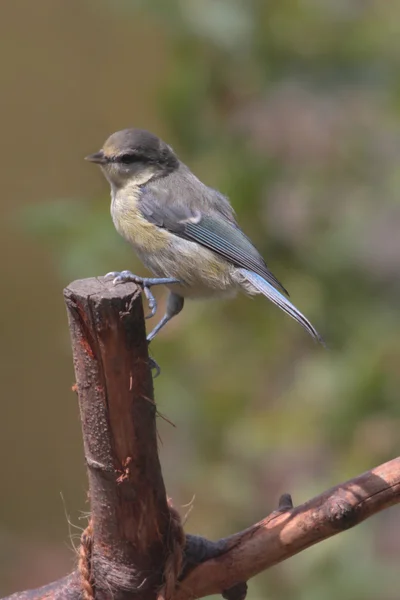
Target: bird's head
134, 156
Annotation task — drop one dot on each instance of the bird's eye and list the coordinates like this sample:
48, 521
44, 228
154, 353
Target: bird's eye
127, 159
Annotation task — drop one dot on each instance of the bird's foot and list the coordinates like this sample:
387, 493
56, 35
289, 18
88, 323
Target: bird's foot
145, 283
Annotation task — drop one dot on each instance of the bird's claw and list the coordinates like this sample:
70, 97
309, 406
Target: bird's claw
144, 282
154, 365
125, 276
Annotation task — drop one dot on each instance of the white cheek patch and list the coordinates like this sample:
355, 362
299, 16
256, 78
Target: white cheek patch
142, 176
119, 176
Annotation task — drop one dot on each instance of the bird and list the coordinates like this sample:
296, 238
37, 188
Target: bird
183, 231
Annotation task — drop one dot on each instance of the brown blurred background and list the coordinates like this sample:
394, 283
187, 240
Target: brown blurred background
293, 109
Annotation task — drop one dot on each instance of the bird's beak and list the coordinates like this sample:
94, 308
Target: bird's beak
97, 157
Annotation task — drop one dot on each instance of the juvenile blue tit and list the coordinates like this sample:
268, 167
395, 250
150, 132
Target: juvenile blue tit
183, 231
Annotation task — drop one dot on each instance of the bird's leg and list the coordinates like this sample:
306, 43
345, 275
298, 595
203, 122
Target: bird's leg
145, 282
174, 307
174, 302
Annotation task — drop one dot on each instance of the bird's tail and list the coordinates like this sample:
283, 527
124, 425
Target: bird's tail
279, 299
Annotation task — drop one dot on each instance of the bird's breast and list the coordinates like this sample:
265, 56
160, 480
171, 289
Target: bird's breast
133, 227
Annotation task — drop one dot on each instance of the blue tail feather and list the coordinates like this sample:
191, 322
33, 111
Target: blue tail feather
281, 301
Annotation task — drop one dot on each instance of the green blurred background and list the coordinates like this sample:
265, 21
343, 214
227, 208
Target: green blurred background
293, 109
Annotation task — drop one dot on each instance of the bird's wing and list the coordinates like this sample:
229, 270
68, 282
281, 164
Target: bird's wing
212, 231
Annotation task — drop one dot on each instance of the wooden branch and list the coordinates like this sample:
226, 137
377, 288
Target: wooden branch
129, 509
134, 544
288, 531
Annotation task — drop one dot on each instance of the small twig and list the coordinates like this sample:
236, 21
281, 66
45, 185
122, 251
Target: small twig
285, 503
287, 531
236, 592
